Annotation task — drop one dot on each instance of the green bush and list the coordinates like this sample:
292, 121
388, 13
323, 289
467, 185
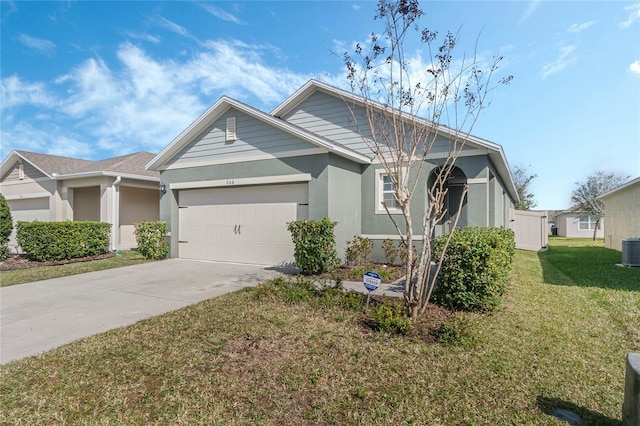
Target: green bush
42, 241
390, 317
390, 251
6, 226
458, 331
315, 245
476, 268
358, 251
150, 237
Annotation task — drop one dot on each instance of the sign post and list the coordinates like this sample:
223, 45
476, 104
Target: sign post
371, 281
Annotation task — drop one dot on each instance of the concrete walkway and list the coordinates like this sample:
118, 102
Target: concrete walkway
36, 317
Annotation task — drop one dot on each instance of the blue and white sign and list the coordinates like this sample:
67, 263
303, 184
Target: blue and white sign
371, 280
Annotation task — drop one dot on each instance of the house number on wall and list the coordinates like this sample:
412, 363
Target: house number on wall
229, 181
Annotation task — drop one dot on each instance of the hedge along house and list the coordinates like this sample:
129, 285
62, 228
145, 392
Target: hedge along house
51, 188
237, 175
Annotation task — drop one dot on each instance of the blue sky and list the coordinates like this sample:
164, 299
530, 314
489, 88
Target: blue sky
99, 79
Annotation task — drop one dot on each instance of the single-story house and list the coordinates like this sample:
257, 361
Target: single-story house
575, 224
622, 213
237, 175
117, 190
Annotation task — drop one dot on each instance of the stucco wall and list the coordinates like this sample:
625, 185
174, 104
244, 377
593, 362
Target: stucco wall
344, 195
86, 203
622, 216
136, 205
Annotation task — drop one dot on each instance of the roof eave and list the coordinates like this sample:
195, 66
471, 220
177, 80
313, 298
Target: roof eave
84, 175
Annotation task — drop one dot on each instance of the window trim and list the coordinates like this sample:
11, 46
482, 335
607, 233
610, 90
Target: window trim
379, 194
590, 222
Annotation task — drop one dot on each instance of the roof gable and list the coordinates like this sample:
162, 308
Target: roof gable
55, 166
287, 110
224, 104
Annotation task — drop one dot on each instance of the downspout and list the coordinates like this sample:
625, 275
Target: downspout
114, 212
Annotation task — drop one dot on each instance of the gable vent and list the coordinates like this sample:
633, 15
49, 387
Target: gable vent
231, 129
21, 171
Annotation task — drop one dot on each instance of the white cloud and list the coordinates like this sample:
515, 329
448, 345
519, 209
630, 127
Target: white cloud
140, 101
141, 36
576, 28
565, 59
634, 15
14, 93
172, 26
529, 11
40, 44
635, 67
219, 13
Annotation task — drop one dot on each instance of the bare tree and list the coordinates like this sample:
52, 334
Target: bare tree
585, 195
522, 179
405, 114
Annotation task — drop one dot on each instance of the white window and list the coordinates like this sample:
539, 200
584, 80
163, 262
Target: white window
385, 193
588, 222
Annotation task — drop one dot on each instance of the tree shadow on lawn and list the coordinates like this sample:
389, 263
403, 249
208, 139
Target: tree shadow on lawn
588, 267
556, 407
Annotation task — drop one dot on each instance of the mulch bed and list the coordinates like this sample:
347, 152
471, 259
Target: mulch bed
18, 261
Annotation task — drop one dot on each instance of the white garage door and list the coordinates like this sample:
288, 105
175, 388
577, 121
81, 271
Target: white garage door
243, 224
27, 210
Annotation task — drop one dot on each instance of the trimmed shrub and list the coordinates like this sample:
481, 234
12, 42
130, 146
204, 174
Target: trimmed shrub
6, 226
358, 251
150, 237
476, 268
42, 241
315, 245
390, 317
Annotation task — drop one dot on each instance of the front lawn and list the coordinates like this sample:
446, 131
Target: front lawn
38, 273
252, 358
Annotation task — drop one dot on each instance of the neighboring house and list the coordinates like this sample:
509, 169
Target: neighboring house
237, 175
572, 223
117, 190
622, 211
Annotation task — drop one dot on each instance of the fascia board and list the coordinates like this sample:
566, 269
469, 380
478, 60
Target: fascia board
197, 126
83, 175
620, 188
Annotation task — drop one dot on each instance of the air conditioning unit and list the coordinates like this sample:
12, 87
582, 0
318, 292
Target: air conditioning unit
631, 252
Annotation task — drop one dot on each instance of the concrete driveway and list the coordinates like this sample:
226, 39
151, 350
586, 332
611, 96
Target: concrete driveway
40, 316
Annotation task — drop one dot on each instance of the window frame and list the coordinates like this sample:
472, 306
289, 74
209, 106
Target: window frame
380, 174
590, 222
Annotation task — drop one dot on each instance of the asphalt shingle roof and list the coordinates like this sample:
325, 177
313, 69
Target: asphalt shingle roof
127, 164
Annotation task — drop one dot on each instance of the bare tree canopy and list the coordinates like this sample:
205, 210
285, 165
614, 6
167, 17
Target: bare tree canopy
522, 179
585, 194
407, 112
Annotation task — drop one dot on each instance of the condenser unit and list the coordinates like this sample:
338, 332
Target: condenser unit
631, 252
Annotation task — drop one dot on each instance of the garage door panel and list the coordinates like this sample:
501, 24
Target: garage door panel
233, 227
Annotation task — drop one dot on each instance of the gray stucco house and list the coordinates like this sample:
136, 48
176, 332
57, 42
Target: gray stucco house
237, 175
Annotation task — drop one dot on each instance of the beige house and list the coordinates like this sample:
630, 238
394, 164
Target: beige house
51, 188
574, 224
622, 213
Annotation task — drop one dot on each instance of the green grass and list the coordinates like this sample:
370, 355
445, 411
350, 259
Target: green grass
252, 358
20, 276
